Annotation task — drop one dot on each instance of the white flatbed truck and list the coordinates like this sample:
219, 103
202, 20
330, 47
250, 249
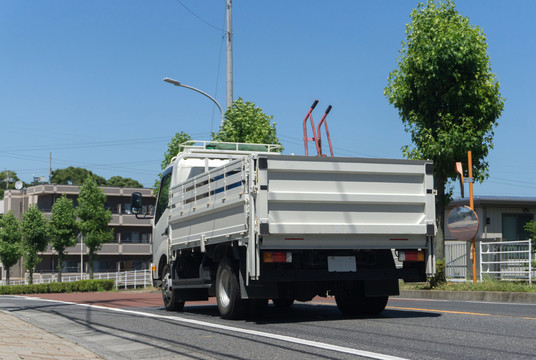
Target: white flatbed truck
245, 224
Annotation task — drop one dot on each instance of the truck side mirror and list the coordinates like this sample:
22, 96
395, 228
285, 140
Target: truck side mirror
135, 202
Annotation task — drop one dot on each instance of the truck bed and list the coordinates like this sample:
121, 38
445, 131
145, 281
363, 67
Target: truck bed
306, 202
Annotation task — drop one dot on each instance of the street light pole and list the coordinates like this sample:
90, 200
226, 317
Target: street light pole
176, 83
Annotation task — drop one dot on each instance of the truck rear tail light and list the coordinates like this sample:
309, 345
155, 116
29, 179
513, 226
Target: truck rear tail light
277, 257
412, 255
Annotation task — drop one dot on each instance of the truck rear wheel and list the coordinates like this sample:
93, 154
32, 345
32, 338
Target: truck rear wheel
351, 302
230, 304
169, 295
283, 303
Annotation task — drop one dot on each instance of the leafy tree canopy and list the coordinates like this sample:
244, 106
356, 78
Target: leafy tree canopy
444, 90
74, 176
246, 123
34, 237
119, 181
94, 218
174, 148
77, 176
10, 241
62, 228
530, 227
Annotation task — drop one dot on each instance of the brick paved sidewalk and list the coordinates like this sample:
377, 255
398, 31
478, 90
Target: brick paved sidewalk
21, 340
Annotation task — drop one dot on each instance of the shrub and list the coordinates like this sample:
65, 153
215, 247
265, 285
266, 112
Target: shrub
440, 276
55, 287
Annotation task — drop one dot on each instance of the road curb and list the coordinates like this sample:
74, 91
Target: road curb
490, 296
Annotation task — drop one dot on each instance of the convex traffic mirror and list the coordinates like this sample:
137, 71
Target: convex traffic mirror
462, 223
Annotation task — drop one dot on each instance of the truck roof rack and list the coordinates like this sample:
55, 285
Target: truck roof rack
196, 145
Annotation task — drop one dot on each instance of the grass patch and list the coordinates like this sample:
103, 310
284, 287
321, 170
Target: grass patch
56, 287
487, 285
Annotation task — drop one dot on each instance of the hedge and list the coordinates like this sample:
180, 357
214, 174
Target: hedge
56, 287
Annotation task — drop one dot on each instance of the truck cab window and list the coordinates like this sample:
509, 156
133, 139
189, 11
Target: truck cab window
163, 197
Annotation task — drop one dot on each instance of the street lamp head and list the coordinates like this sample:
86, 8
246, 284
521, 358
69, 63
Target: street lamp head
171, 81
176, 83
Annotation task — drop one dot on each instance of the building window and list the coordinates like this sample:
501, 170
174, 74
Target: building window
71, 266
104, 266
513, 226
126, 208
114, 208
147, 209
129, 265
134, 237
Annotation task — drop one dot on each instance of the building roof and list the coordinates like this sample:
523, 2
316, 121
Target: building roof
497, 201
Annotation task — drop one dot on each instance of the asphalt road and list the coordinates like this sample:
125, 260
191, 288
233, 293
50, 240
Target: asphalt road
410, 329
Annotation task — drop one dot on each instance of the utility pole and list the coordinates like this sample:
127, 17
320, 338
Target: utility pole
49, 166
229, 54
8, 179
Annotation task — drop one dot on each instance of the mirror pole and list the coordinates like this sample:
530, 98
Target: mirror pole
471, 205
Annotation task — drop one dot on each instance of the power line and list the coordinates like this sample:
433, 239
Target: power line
107, 143
199, 18
217, 77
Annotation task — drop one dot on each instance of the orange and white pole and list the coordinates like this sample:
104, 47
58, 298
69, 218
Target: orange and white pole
471, 205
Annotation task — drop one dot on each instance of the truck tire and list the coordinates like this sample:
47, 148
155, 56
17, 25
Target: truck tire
352, 302
375, 305
169, 295
283, 303
230, 304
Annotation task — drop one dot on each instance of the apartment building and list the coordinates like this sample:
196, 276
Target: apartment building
130, 249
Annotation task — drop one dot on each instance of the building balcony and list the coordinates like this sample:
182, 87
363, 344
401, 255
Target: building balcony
128, 220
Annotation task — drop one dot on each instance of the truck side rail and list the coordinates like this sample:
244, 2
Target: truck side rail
209, 206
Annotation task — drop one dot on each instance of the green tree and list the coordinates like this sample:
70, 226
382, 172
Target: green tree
34, 238
62, 229
74, 176
246, 123
10, 241
530, 227
174, 147
119, 181
8, 178
94, 219
446, 96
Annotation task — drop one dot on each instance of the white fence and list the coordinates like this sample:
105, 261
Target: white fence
123, 280
456, 261
508, 260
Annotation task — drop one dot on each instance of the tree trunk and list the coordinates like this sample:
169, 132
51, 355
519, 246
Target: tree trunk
440, 218
30, 277
90, 264
7, 275
58, 267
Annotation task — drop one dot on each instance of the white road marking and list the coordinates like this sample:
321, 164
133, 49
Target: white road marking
284, 338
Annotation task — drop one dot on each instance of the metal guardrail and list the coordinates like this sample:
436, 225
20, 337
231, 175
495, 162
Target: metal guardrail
507, 260
123, 280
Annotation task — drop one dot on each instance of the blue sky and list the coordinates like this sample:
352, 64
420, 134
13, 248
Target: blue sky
83, 80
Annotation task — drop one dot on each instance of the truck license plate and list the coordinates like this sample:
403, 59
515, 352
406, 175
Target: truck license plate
341, 264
